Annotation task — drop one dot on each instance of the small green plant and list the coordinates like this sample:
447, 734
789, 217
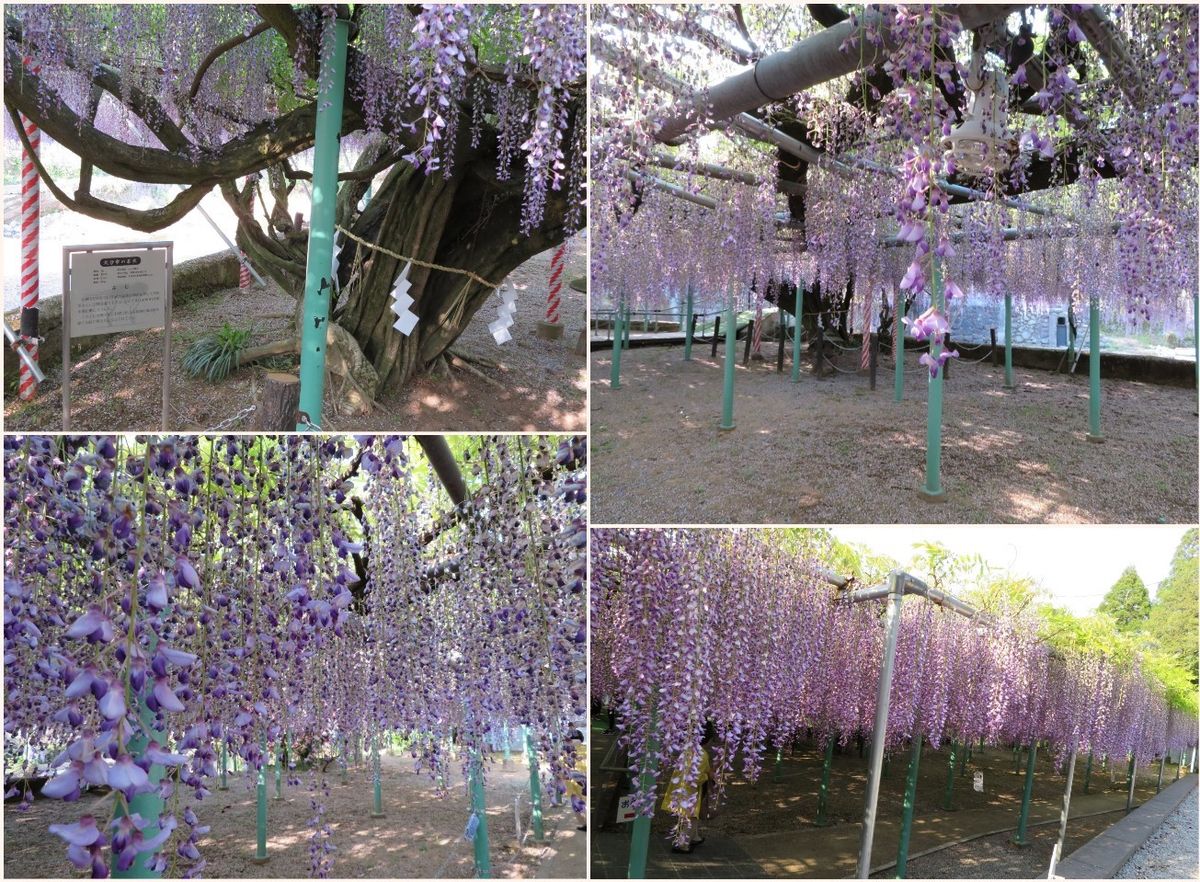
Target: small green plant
216, 355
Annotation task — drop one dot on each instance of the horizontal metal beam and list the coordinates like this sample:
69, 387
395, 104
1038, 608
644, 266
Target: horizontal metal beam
816, 59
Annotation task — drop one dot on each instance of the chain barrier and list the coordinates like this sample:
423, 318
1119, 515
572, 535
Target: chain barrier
233, 420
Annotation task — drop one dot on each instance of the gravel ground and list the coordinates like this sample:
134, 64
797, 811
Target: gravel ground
1172, 851
831, 451
420, 837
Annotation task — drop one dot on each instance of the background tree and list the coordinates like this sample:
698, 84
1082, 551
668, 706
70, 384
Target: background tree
1127, 602
1174, 620
473, 115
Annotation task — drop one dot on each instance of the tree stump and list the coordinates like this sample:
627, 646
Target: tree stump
279, 402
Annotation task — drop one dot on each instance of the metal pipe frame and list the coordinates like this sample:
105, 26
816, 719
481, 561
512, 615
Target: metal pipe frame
898, 584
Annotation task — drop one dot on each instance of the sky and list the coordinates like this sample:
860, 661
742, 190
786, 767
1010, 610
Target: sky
1075, 564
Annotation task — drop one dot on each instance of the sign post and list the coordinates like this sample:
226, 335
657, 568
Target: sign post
109, 289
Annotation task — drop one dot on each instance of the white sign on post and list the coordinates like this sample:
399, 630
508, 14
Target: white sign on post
625, 810
110, 289
979, 782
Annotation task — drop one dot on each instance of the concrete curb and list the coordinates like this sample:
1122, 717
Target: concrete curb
1106, 854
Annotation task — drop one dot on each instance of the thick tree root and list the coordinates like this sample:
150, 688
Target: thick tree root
460, 362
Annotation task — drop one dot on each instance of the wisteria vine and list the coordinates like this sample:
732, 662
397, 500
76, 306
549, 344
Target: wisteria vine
726, 628
171, 601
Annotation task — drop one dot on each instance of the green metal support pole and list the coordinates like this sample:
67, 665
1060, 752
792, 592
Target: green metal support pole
1162, 767
377, 776
933, 426
639, 842
224, 785
618, 339
1094, 372
1196, 335
1008, 368
1132, 782
148, 805
730, 356
260, 853
345, 759
910, 804
1087, 775
483, 860
318, 287
901, 311
797, 331
507, 744
778, 776
823, 794
948, 801
279, 771
535, 789
687, 326
1023, 819
627, 324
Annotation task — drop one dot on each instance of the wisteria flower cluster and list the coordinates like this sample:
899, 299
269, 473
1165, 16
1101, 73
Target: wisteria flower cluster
413, 73
725, 628
1097, 202
171, 601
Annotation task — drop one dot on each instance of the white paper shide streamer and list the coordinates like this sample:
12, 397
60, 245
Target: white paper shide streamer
406, 319
505, 314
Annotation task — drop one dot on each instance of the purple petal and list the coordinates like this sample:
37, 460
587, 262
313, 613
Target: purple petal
112, 705
185, 573
156, 754
63, 785
176, 656
156, 594
86, 624
165, 696
127, 775
82, 832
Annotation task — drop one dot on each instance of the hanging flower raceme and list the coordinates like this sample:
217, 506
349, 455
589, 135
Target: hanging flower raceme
247, 607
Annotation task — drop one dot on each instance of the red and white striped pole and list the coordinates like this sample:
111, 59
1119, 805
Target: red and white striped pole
30, 204
244, 277
756, 346
556, 272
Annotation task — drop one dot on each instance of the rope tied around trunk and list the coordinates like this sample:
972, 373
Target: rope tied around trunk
423, 263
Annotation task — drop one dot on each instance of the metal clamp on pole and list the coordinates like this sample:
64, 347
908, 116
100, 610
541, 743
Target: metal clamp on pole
18, 345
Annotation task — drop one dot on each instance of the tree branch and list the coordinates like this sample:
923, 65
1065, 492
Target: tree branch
218, 51
144, 221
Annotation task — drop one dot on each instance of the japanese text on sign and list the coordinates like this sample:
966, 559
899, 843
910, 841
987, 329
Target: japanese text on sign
117, 291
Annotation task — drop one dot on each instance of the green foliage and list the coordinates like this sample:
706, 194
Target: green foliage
867, 567
1173, 626
216, 355
1176, 680
1127, 602
997, 593
944, 569
1085, 635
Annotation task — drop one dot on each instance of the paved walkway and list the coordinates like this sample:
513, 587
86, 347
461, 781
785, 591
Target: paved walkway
1104, 856
832, 852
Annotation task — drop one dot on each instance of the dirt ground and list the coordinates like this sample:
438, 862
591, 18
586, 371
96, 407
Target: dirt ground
538, 385
777, 813
831, 451
994, 857
420, 836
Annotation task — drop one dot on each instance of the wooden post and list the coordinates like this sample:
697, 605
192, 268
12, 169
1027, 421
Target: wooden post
716, 334
279, 402
782, 339
995, 351
749, 339
873, 365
